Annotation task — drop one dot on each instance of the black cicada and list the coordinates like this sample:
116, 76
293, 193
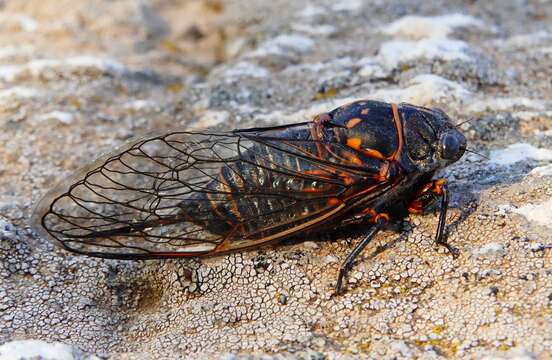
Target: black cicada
204, 193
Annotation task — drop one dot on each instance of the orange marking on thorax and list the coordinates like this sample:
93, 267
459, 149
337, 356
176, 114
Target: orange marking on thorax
364, 111
353, 122
373, 153
354, 142
398, 126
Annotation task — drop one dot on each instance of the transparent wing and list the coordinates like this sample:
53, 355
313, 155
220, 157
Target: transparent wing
203, 193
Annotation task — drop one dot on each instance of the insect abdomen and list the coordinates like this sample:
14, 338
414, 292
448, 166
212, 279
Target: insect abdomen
236, 194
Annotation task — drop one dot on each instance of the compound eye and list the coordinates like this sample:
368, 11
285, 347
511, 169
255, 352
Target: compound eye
450, 147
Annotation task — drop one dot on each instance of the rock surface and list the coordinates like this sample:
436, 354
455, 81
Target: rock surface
78, 78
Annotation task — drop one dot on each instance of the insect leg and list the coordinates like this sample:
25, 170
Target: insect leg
440, 236
380, 222
425, 197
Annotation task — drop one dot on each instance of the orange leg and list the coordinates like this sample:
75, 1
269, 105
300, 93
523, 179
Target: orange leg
426, 196
371, 215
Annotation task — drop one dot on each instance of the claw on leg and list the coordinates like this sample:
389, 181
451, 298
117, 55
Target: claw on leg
440, 236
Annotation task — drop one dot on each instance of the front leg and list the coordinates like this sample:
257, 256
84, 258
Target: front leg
426, 196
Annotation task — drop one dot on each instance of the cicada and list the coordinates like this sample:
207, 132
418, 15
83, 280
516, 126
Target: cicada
206, 193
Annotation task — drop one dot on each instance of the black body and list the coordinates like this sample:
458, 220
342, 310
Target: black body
207, 193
